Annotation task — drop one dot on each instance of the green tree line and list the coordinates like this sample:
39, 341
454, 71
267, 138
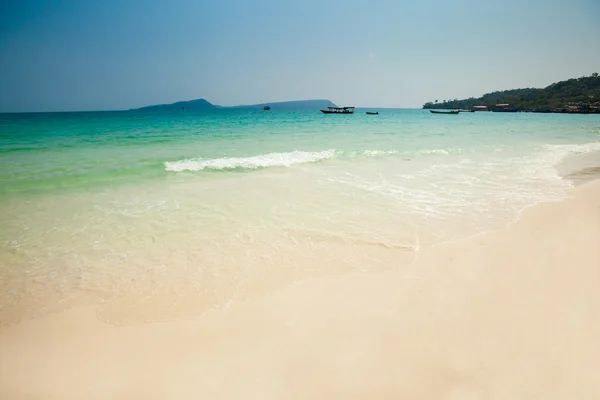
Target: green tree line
557, 95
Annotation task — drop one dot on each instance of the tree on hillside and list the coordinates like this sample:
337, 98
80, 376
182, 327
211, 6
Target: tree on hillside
556, 95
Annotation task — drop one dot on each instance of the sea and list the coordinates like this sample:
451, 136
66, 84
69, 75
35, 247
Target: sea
158, 215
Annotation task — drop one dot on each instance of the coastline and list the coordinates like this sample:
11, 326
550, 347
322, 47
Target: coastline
506, 314
140, 224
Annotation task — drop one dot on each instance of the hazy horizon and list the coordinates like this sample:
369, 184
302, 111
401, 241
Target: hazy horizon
60, 56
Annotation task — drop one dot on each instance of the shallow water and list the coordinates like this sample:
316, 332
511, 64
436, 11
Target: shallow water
156, 216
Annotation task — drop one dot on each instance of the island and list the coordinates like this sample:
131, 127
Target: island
577, 95
202, 104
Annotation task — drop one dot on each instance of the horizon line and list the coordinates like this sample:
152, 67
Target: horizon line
216, 108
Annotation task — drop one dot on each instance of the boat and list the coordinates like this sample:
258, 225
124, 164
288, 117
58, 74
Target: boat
266, 108
373, 113
444, 111
338, 110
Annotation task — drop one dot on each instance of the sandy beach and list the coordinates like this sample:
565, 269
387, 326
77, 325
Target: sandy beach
511, 314
226, 201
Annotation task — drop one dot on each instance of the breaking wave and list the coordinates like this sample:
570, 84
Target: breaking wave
553, 155
254, 162
271, 160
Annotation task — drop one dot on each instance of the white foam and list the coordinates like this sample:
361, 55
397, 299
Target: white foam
435, 151
254, 162
270, 160
472, 195
378, 153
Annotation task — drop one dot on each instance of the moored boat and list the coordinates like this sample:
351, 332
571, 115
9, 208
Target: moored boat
266, 108
373, 113
444, 111
338, 110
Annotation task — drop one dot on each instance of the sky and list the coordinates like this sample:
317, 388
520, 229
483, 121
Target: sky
108, 55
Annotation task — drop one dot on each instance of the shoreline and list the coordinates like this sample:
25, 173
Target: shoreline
586, 173
510, 313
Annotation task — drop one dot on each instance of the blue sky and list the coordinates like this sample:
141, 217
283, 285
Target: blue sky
99, 55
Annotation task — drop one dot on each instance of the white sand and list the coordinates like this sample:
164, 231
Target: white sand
513, 314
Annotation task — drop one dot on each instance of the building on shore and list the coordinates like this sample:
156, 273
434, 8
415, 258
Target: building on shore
504, 108
579, 107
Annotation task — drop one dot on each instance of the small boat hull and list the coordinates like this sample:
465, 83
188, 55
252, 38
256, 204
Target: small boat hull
452, 112
372, 113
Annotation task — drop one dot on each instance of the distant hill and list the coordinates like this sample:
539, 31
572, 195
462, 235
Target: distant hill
202, 104
199, 104
293, 105
584, 90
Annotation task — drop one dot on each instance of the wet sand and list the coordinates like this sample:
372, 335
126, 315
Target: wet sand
511, 314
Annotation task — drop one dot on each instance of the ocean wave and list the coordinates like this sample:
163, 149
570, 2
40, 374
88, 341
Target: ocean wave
254, 162
287, 159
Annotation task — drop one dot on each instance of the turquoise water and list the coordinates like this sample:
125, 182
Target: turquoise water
151, 215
